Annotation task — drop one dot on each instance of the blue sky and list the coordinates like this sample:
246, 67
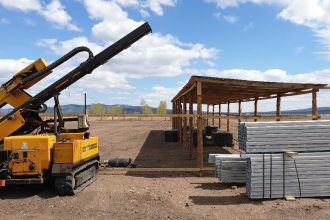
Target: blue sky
248, 39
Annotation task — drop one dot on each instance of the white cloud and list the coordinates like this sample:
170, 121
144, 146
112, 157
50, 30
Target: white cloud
313, 14
275, 75
8, 67
22, 5
157, 5
155, 94
4, 21
153, 55
101, 8
103, 81
126, 3
299, 50
53, 12
62, 47
229, 18
29, 22
72, 95
248, 27
235, 3
144, 13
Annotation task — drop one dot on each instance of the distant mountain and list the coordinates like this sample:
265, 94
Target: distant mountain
130, 109
306, 111
76, 109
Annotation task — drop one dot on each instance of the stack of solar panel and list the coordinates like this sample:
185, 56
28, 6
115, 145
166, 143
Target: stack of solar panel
280, 175
299, 136
231, 169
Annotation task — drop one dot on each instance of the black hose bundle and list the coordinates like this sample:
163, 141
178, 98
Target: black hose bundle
121, 162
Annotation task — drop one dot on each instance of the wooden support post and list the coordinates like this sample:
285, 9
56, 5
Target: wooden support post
314, 105
180, 122
173, 119
213, 115
176, 112
191, 127
185, 135
278, 107
176, 118
239, 110
228, 113
200, 127
207, 113
255, 108
220, 116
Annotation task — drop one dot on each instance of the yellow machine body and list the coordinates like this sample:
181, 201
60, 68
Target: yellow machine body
27, 150
11, 125
75, 150
37, 154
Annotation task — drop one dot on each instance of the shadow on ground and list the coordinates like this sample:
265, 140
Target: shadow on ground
44, 191
221, 200
156, 153
216, 186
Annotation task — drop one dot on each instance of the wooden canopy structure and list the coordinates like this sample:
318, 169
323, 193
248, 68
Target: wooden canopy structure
221, 90
217, 91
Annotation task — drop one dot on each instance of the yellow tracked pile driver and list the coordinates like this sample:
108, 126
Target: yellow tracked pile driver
33, 150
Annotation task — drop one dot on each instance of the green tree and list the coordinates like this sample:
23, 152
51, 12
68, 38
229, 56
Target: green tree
162, 108
97, 109
116, 110
145, 108
148, 110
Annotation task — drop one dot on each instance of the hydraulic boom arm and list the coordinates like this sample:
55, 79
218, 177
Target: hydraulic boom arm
25, 117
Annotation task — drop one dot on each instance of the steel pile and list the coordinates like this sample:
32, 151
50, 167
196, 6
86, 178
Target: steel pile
212, 157
277, 137
282, 159
229, 168
281, 175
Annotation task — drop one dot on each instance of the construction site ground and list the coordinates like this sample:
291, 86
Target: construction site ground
151, 195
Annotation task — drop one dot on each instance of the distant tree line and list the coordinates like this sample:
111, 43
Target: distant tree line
100, 109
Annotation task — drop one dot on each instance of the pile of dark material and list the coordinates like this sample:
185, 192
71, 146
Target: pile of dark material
210, 129
171, 135
212, 136
222, 139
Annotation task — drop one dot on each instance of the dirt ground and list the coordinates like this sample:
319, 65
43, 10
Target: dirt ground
150, 196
